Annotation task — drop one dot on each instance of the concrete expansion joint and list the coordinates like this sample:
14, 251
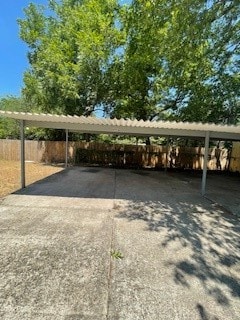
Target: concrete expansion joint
8, 205
110, 267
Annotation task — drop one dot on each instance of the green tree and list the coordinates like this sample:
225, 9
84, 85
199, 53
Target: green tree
181, 61
70, 49
10, 128
151, 59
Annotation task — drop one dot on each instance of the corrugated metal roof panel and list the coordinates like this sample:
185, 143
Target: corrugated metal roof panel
122, 126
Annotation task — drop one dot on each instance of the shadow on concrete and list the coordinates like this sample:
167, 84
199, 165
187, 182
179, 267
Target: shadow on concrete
211, 235
109, 183
199, 240
143, 185
75, 182
203, 314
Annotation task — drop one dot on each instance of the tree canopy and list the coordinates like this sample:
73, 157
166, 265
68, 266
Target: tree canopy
150, 59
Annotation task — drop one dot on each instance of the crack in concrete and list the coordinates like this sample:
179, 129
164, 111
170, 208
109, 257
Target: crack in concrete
110, 268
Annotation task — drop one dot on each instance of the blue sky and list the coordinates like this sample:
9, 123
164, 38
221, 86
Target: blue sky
13, 52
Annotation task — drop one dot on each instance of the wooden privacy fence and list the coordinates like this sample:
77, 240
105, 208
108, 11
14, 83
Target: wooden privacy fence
121, 155
151, 156
235, 158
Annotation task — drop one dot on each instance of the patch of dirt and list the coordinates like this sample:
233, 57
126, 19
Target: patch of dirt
10, 174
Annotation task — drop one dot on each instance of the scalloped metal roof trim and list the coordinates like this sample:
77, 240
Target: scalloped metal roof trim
119, 125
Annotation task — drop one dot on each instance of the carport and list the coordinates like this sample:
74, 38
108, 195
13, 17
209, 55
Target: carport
123, 127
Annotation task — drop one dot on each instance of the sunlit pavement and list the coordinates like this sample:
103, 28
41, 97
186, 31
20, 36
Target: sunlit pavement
95, 243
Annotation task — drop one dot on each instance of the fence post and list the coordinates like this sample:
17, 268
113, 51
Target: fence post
66, 150
205, 161
22, 135
166, 158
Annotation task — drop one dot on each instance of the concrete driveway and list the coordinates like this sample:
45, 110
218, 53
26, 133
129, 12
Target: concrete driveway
59, 239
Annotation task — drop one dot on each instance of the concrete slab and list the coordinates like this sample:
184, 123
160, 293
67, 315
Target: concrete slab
222, 188
225, 190
181, 251
75, 182
181, 261
54, 263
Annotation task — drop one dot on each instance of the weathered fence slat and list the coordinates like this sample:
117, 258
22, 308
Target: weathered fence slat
121, 155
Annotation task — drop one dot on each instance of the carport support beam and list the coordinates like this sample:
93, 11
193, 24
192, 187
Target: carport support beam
205, 161
22, 135
166, 158
66, 150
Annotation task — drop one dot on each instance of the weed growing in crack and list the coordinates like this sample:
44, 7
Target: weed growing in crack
116, 254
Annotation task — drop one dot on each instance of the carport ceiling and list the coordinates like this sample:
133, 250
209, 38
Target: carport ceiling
126, 127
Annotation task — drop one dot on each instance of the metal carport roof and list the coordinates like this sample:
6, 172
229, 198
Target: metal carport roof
123, 126
127, 127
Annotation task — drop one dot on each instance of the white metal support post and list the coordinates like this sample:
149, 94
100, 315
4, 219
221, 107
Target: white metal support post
22, 135
166, 157
205, 161
66, 150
